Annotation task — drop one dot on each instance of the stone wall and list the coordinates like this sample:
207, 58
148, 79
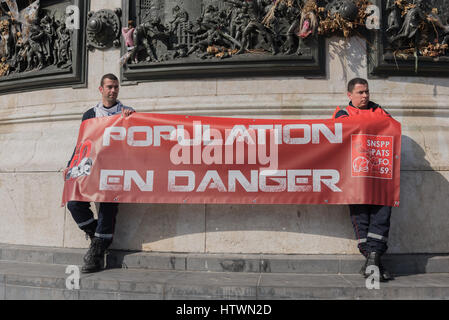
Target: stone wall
38, 131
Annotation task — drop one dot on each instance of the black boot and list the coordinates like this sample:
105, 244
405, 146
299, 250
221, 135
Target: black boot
95, 255
385, 275
373, 259
363, 270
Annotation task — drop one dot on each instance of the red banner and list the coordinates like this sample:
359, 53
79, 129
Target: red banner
155, 158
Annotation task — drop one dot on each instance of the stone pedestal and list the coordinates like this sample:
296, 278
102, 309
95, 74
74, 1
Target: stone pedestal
38, 131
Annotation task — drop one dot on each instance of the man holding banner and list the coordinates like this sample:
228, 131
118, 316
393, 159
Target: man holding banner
99, 231
371, 222
167, 158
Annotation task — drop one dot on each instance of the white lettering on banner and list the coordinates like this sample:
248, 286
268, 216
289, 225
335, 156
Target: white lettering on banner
283, 179
111, 180
264, 180
208, 146
377, 144
261, 130
237, 175
240, 133
140, 143
201, 134
318, 128
318, 178
131, 175
211, 180
190, 186
158, 134
183, 136
114, 133
305, 139
108, 182
293, 180
273, 175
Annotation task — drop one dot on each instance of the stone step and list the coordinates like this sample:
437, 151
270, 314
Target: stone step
254, 263
29, 281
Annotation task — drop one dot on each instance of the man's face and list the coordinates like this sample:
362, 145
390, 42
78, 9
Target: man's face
359, 96
109, 92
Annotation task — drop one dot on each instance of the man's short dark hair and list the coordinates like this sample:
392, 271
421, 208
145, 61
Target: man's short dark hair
353, 82
109, 76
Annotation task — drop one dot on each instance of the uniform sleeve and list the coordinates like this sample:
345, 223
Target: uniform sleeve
341, 113
89, 114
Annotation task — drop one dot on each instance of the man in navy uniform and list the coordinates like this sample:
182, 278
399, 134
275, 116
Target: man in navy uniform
100, 231
371, 222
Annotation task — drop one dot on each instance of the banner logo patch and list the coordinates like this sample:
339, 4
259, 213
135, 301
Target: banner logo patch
372, 156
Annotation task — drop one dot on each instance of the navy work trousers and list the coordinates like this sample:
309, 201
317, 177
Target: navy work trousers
371, 226
84, 218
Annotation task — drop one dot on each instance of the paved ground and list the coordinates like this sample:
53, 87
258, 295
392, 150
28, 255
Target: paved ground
40, 273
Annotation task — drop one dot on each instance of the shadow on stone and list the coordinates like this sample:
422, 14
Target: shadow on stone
418, 226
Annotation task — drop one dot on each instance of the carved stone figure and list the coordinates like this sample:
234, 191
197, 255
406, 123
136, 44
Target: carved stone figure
347, 9
423, 27
213, 37
47, 37
16, 34
302, 24
145, 35
241, 20
393, 16
35, 57
179, 16
6, 39
255, 9
64, 51
412, 20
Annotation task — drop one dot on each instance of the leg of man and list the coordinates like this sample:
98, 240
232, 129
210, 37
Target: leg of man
360, 218
107, 214
379, 228
103, 237
378, 236
83, 216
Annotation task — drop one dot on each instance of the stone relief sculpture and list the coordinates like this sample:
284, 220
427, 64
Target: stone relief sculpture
32, 39
233, 28
418, 27
282, 27
413, 39
223, 29
176, 32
